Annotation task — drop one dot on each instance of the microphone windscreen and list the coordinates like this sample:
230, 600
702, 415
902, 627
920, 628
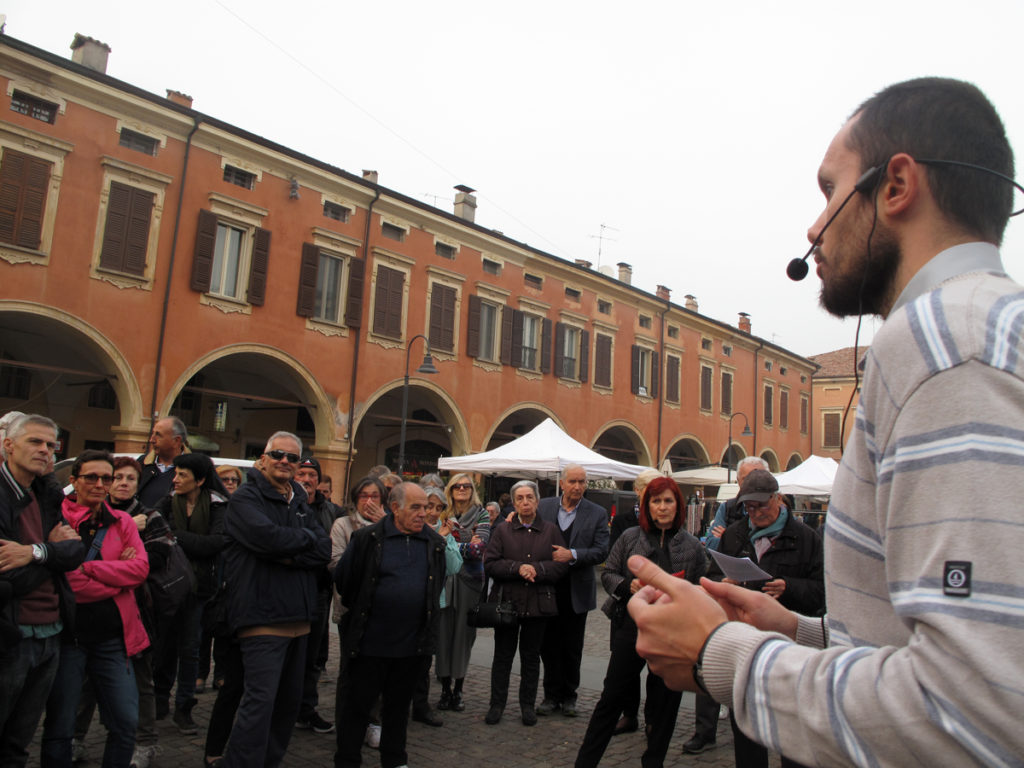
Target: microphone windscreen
797, 269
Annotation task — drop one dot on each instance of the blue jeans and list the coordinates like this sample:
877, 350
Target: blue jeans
26, 675
113, 678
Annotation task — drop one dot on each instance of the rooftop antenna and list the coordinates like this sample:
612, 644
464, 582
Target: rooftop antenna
600, 241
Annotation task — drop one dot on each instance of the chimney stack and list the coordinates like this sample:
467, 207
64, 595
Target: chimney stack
691, 302
180, 98
625, 273
744, 322
90, 53
584, 263
370, 176
465, 203
663, 293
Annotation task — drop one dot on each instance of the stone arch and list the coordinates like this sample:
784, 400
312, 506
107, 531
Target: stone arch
521, 409
773, 460
52, 340
626, 444
686, 451
733, 455
795, 460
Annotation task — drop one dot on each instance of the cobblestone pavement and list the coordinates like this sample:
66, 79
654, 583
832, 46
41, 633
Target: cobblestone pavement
464, 740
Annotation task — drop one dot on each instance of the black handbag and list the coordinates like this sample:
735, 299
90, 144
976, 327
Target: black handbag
498, 615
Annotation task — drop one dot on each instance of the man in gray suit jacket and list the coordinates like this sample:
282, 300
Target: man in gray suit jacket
584, 527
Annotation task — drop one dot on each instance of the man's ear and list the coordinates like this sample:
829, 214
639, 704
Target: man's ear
902, 186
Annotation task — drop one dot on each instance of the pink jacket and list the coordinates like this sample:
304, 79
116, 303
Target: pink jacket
112, 577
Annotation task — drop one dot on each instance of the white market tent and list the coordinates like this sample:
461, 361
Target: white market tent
543, 452
812, 478
712, 475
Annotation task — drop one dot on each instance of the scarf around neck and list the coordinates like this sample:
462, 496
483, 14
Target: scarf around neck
772, 530
200, 520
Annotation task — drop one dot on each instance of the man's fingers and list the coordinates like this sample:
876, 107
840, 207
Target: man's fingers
651, 574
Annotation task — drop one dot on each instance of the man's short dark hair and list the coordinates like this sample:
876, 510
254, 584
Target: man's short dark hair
943, 119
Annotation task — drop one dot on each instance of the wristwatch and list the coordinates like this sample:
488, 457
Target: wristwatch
38, 553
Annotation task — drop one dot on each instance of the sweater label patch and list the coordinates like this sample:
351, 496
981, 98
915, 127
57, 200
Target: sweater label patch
956, 578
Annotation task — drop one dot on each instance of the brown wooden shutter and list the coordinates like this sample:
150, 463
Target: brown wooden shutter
634, 368
603, 363
726, 393
309, 267
202, 261
831, 437
387, 303
545, 345
258, 268
784, 409
24, 181
473, 327
655, 377
705, 388
584, 356
442, 317
507, 334
126, 232
517, 339
559, 347
768, 398
803, 415
354, 304
672, 379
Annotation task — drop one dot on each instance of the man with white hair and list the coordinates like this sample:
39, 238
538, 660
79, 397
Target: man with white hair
277, 547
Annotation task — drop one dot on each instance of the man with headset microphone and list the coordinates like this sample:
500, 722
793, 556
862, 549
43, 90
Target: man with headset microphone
921, 657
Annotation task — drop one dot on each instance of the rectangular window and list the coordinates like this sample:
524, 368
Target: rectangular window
24, 182
569, 351
705, 344
140, 142
784, 409
238, 177
489, 323
645, 372
531, 334
392, 232
705, 387
387, 305
27, 104
673, 331
442, 317
769, 401
533, 281
335, 211
15, 381
727, 350
491, 267
645, 321
603, 360
768, 365
328, 297
444, 250
804, 408
726, 393
227, 261
831, 437
230, 258
604, 307
572, 294
672, 379
126, 234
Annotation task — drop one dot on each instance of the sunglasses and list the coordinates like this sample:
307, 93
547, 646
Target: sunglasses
462, 486
277, 454
92, 478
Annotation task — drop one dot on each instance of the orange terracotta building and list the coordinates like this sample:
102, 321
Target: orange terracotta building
156, 260
834, 398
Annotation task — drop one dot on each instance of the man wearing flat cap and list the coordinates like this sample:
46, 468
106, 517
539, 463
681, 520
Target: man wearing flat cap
790, 552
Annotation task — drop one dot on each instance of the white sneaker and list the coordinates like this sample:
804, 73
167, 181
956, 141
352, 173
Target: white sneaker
143, 756
373, 736
79, 754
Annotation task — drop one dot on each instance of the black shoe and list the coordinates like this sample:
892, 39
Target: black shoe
569, 708
457, 703
493, 715
548, 707
445, 702
529, 716
163, 708
626, 724
183, 719
696, 745
428, 717
314, 723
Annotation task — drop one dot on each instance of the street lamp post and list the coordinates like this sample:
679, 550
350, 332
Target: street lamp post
427, 366
728, 461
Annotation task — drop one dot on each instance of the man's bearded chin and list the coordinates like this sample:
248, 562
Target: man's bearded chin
869, 288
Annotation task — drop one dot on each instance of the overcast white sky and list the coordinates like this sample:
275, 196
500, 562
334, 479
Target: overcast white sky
693, 131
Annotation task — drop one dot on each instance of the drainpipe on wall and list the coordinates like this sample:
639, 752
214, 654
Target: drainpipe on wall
196, 121
757, 394
661, 390
357, 334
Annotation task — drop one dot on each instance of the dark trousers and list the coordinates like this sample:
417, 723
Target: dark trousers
750, 754
311, 676
363, 680
421, 691
272, 668
177, 653
229, 696
622, 677
706, 710
26, 675
562, 653
529, 636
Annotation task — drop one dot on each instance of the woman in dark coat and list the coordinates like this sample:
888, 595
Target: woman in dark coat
661, 538
518, 558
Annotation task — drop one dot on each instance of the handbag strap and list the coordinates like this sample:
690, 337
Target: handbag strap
97, 542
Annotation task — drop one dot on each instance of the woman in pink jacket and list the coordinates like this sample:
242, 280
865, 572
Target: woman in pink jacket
108, 629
